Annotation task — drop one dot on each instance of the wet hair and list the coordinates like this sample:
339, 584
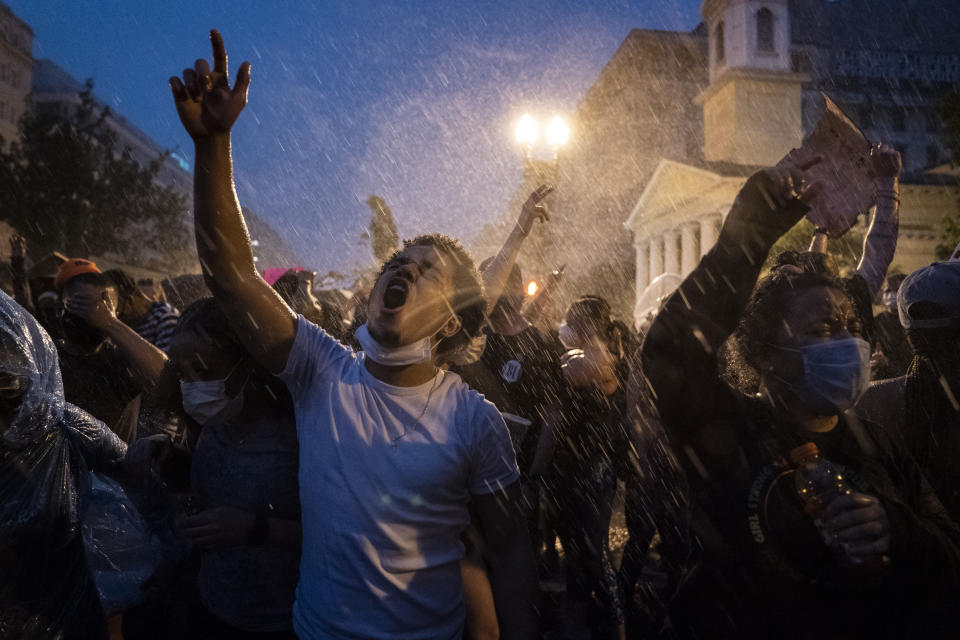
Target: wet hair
762, 320
468, 300
595, 313
893, 282
207, 319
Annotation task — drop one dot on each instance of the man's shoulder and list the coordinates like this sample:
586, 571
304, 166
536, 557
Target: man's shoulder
465, 401
313, 343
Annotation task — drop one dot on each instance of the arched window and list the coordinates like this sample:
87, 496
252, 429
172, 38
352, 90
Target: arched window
720, 48
765, 30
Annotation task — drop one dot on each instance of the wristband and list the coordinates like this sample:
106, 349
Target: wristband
259, 531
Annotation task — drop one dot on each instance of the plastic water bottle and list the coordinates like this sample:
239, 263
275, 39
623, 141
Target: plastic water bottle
818, 483
816, 480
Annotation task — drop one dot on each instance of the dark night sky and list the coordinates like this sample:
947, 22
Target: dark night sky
414, 101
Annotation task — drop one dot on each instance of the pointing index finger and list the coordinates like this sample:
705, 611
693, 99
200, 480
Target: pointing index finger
219, 52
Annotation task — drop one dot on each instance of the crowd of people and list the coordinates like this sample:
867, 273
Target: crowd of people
420, 466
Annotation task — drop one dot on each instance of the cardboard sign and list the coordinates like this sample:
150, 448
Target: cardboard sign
846, 186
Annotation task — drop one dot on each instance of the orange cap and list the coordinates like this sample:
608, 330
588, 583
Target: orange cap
802, 452
72, 268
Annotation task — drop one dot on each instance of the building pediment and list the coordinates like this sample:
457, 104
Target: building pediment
678, 193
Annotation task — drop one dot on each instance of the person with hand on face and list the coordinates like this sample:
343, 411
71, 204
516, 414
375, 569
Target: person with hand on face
47, 449
243, 475
105, 363
879, 558
391, 447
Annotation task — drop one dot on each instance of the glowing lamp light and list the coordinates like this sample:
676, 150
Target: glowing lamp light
526, 130
558, 132
532, 288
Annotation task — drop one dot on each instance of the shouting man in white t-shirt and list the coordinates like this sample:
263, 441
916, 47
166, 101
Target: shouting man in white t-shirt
391, 448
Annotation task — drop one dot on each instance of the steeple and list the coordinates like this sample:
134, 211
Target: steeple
752, 108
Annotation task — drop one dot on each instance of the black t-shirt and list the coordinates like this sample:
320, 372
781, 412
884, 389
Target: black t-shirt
101, 383
521, 375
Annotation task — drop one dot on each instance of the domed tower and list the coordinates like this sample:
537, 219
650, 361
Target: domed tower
752, 107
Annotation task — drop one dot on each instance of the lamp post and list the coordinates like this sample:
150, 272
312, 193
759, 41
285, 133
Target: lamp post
527, 131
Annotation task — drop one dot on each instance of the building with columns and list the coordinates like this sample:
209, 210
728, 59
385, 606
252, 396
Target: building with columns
765, 79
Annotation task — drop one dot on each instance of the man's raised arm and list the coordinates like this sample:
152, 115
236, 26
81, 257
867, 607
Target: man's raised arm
208, 107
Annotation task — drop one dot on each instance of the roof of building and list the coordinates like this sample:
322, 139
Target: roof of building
49, 77
7, 10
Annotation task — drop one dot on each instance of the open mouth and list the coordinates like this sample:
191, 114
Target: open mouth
395, 294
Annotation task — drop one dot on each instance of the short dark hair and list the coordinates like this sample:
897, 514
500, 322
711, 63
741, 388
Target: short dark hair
287, 286
468, 299
207, 318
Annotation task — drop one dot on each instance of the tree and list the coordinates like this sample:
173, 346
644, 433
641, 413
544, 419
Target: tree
950, 114
384, 239
67, 186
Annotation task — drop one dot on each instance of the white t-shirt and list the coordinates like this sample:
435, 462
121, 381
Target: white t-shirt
385, 476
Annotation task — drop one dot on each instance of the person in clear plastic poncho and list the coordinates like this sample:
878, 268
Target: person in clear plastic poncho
47, 448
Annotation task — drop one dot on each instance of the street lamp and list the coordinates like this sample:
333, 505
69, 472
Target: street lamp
558, 132
527, 130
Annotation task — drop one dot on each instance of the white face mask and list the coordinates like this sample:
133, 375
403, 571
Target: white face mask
569, 337
393, 356
207, 402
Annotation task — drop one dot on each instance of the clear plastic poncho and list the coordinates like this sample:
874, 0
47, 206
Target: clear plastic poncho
46, 453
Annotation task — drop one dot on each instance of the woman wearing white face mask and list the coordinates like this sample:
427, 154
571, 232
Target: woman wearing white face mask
767, 569
243, 475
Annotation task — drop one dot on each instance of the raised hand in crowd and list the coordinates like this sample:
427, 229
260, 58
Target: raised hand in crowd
206, 103
496, 273
533, 209
208, 107
885, 162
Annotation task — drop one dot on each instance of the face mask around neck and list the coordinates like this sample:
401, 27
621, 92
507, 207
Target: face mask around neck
418, 351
